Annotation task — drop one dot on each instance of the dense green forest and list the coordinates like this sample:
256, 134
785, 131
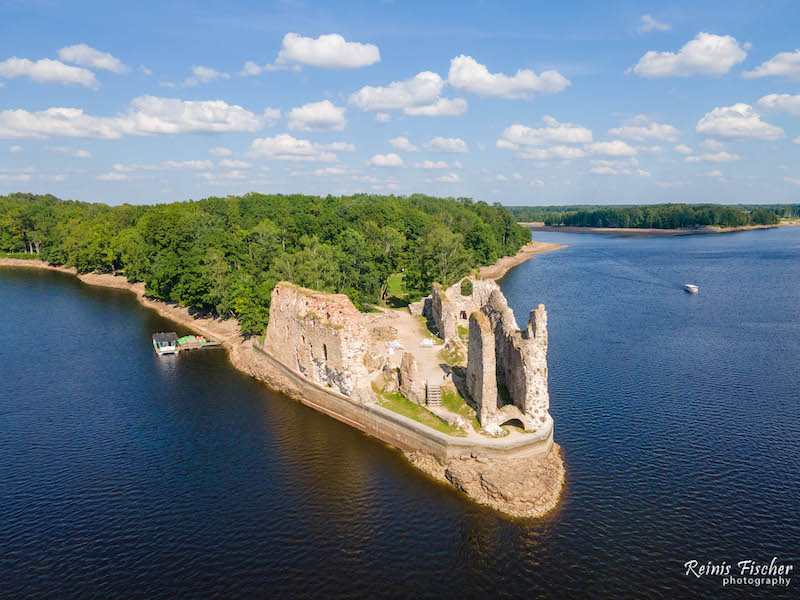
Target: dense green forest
226, 254
657, 216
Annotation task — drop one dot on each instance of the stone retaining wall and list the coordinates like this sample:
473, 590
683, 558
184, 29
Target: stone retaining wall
405, 433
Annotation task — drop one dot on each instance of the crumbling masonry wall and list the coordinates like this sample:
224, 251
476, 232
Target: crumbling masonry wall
517, 387
322, 336
450, 309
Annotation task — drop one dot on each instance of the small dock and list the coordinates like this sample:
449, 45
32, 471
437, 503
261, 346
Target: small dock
196, 342
170, 343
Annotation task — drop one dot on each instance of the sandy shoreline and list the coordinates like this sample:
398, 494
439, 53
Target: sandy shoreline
641, 232
528, 251
469, 476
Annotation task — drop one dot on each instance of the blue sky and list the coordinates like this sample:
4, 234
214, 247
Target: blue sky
512, 102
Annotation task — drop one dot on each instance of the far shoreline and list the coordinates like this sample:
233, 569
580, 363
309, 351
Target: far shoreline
644, 232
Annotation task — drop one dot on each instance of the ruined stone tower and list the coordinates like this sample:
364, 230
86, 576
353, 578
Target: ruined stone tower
506, 367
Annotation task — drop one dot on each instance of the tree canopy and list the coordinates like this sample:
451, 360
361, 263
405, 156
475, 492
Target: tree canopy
226, 254
656, 216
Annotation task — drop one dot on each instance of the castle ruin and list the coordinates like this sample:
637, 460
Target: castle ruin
506, 368
322, 336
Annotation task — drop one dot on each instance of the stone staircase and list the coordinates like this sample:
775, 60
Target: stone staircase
433, 394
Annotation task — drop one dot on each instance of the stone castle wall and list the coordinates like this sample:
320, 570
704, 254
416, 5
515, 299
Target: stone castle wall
451, 310
323, 337
506, 367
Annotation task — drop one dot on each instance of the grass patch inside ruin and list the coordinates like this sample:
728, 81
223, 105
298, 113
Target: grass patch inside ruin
427, 328
403, 406
454, 357
453, 402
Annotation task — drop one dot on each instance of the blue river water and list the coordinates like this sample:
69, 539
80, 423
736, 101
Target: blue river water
124, 475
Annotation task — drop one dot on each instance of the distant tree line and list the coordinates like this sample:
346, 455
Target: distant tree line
656, 216
226, 254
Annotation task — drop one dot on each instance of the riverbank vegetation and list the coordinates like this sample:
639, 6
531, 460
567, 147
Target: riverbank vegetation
226, 254
657, 216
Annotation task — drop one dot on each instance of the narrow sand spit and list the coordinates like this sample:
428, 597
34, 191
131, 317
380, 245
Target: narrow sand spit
528, 251
526, 487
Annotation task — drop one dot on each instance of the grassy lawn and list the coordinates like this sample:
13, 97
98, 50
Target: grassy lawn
402, 406
396, 292
455, 403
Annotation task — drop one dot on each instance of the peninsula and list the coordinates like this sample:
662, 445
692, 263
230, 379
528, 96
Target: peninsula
451, 380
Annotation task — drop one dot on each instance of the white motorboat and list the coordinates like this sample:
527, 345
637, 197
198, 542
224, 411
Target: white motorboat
692, 289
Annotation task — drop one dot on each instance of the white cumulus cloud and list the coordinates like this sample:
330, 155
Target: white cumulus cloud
86, 56
422, 89
713, 145
113, 176
326, 171
449, 178
442, 144
737, 121
430, 164
286, 147
70, 151
468, 74
251, 68
683, 149
47, 70
317, 116
386, 160
235, 164
706, 54
716, 157
16, 148
785, 64
783, 102
220, 151
443, 107
648, 23
553, 153
616, 148
553, 132
199, 75
603, 171
641, 128
402, 144
327, 51
147, 115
